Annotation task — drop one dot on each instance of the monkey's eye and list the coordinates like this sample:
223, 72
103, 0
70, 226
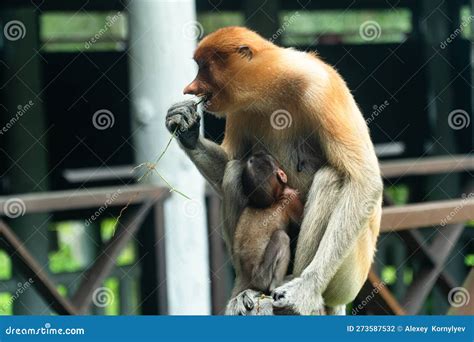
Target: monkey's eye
203, 65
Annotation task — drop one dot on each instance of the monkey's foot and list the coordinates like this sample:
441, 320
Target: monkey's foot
300, 296
250, 303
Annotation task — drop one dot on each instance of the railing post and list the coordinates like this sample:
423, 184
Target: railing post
153, 287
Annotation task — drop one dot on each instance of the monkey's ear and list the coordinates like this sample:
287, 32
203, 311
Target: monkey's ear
245, 51
282, 176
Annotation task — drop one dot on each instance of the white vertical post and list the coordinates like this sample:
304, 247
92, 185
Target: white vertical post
162, 40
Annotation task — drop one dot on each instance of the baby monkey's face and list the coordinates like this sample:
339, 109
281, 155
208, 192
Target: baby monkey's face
263, 180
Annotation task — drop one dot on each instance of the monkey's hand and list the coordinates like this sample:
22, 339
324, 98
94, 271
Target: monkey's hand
300, 296
184, 120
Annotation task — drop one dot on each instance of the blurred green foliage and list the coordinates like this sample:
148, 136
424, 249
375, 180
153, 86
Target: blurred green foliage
72, 31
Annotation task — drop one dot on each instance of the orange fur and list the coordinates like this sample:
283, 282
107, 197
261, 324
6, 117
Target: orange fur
247, 88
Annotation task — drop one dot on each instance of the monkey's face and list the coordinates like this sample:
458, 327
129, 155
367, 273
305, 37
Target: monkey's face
228, 74
263, 180
210, 82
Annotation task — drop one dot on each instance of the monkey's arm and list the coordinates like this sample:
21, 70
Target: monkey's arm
210, 159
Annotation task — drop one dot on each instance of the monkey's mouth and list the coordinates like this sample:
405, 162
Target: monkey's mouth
207, 100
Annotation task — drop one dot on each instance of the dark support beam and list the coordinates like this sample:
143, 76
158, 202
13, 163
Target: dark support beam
437, 25
153, 286
221, 281
24, 146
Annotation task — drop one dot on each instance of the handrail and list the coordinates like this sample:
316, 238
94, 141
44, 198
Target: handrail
427, 214
427, 165
148, 196
83, 198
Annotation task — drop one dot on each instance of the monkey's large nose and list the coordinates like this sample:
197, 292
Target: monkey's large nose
192, 88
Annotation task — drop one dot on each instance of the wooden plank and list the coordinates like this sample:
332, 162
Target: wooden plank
84, 198
427, 214
426, 278
31, 269
95, 275
385, 293
463, 304
427, 165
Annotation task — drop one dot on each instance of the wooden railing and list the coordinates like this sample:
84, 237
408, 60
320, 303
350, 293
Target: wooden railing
141, 199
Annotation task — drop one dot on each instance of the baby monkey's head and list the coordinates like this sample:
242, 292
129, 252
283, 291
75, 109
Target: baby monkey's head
263, 180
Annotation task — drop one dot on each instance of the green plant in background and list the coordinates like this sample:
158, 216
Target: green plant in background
64, 260
107, 230
114, 307
469, 260
389, 275
5, 266
398, 193
6, 308
69, 31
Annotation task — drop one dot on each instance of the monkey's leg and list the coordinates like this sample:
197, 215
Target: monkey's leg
322, 199
357, 202
339, 310
272, 269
